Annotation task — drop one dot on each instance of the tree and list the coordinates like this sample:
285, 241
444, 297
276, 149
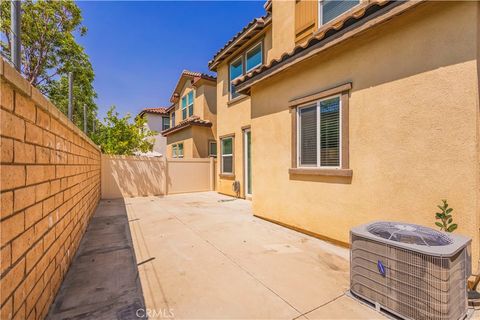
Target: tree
121, 136
50, 52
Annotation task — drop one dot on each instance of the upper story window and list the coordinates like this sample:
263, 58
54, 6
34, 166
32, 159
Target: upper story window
330, 9
246, 62
165, 123
173, 118
187, 105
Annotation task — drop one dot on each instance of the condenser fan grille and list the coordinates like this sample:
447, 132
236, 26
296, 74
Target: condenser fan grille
409, 233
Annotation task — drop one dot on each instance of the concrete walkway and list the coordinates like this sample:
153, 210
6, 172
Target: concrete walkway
102, 282
203, 256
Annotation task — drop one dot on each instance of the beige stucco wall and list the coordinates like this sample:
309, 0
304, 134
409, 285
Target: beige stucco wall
184, 136
414, 118
233, 116
154, 123
283, 27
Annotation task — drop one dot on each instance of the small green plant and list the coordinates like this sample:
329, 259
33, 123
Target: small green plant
445, 216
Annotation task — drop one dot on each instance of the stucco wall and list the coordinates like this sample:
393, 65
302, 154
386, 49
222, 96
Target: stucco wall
50, 187
413, 127
154, 123
235, 115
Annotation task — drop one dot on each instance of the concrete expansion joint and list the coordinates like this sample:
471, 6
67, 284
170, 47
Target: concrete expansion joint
237, 264
320, 306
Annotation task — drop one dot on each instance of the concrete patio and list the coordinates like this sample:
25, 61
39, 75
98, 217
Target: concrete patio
202, 256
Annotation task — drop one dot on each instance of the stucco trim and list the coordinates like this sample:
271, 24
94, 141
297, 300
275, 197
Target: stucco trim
237, 99
304, 231
230, 176
319, 95
321, 172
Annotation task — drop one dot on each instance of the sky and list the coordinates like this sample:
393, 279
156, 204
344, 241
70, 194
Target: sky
138, 49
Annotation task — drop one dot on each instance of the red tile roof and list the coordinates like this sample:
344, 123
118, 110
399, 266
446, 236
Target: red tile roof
329, 32
253, 28
159, 110
191, 121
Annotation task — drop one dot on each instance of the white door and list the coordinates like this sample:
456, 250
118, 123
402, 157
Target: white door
247, 152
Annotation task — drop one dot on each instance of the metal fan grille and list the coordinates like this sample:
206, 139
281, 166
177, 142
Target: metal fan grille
409, 233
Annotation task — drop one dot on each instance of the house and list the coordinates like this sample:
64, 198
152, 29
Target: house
158, 120
192, 132
359, 111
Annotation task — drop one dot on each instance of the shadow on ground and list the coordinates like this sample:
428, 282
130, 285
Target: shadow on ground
102, 282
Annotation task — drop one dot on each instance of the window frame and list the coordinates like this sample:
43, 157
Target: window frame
176, 149
173, 119
343, 170
163, 123
316, 104
243, 57
320, 12
222, 172
210, 154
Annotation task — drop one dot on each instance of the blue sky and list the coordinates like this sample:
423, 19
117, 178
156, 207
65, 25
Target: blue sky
138, 49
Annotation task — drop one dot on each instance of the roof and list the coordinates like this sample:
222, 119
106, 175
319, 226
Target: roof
252, 29
190, 121
159, 110
194, 77
342, 28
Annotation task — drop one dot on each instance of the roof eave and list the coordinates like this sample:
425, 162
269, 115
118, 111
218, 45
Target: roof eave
384, 14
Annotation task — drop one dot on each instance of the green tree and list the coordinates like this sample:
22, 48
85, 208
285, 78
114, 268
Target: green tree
50, 52
122, 136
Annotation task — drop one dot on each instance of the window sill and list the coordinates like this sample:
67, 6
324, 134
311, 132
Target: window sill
227, 176
321, 172
237, 100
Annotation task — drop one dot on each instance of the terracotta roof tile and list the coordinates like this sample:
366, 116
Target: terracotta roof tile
328, 31
249, 31
159, 110
190, 121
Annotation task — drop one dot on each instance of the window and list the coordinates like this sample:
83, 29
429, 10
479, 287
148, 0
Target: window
177, 150
173, 118
330, 9
227, 155
187, 105
236, 70
212, 148
246, 62
319, 133
254, 57
165, 123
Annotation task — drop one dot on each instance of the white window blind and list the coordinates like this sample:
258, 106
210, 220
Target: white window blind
330, 9
319, 133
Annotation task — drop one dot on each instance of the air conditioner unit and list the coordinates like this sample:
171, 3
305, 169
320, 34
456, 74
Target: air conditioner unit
410, 271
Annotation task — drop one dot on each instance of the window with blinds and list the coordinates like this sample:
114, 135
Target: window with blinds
319, 130
330, 9
227, 155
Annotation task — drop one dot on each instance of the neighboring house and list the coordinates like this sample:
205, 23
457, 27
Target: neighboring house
158, 120
359, 111
192, 132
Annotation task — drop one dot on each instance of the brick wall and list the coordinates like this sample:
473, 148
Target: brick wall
50, 186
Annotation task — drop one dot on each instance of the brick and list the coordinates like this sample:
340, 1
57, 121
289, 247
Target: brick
6, 147
7, 310
17, 80
12, 279
43, 119
33, 214
6, 98
11, 125
60, 143
47, 276
24, 152
12, 227
48, 139
41, 304
42, 155
19, 295
23, 198
42, 191
43, 226
12, 177
55, 186
20, 315
33, 133
34, 295
5, 258
25, 107
21, 244
34, 255
48, 239
6, 204
48, 205
40, 173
